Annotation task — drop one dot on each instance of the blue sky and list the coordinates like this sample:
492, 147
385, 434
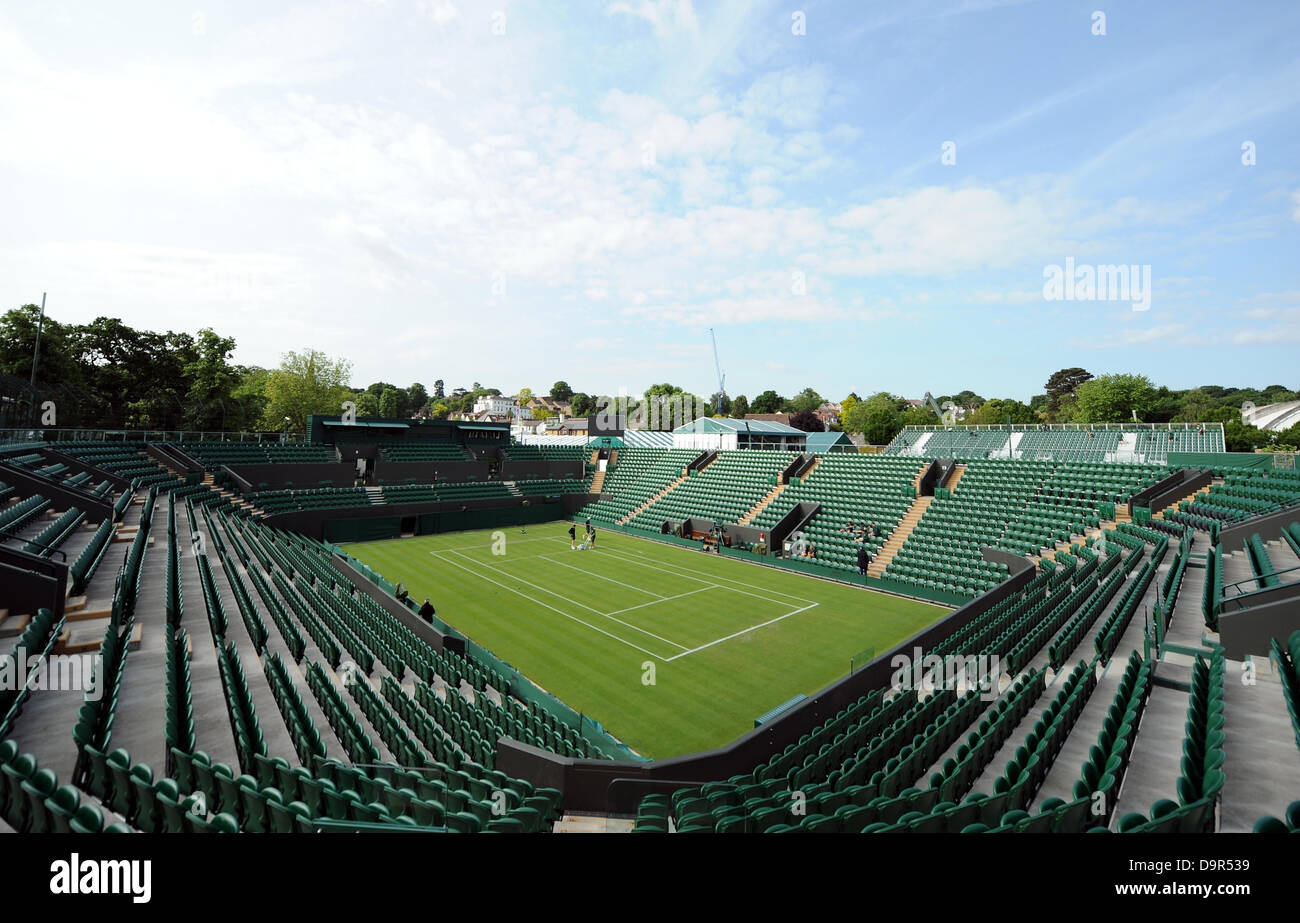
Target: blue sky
515, 192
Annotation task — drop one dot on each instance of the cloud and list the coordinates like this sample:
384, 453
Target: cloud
440, 11
667, 17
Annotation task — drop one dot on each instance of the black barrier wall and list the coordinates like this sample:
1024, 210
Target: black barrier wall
374, 523
77, 465
392, 473
426, 632
1268, 525
1271, 613
32, 582
60, 495
531, 469
606, 786
1173, 488
931, 477
302, 476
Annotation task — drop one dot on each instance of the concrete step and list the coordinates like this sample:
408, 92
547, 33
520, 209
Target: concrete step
593, 823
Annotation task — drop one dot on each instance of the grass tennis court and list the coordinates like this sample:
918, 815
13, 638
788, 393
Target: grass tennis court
726, 640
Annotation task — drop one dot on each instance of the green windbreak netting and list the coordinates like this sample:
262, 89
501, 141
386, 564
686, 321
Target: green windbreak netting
1220, 460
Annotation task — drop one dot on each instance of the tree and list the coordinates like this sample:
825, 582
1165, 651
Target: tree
667, 406
721, 403
875, 418
561, 391
388, 403
1114, 398
1287, 437
767, 402
999, 411
211, 380
880, 424
439, 411
1238, 437
306, 382
807, 399
58, 359
582, 404
249, 399
437, 390
808, 421
846, 408
525, 395
1063, 386
967, 400
367, 405
542, 413
740, 407
915, 416
416, 398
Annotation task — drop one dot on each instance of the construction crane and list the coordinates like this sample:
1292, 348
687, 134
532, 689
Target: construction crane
722, 379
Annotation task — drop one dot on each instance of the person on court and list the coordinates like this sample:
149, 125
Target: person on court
573, 537
591, 535
864, 560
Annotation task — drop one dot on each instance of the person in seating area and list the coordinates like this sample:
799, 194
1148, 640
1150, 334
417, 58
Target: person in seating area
864, 560
426, 611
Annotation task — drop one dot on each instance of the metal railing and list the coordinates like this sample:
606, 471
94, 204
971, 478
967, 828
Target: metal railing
110, 436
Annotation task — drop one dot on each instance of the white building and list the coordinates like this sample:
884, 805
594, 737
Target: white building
498, 405
1273, 417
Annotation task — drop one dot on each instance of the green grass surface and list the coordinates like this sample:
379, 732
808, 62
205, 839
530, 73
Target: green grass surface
726, 640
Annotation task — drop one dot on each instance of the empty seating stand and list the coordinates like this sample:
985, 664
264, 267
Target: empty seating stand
427, 452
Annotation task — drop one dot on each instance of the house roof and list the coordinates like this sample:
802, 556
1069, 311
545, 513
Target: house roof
770, 417
823, 442
747, 425
647, 438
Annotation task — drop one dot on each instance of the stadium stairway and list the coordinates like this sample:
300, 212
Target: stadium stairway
957, 472
1089, 537
593, 823
1261, 764
231, 495
637, 512
514, 491
376, 495
1190, 498
763, 504
899, 535
597, 482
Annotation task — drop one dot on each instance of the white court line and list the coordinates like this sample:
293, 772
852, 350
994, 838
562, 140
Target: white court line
743, 631
662, 599
607, 634
647, 561
627, 586
509, 541
649, 634
687, 574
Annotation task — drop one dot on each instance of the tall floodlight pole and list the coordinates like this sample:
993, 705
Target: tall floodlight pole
36, 356
722, 379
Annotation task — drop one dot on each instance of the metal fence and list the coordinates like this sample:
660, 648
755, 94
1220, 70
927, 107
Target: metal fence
53, 435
